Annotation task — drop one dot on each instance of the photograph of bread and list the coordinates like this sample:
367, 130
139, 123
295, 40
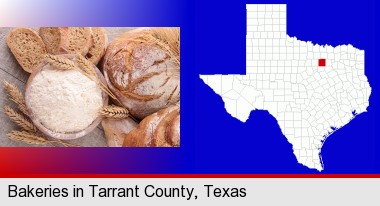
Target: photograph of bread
90, 87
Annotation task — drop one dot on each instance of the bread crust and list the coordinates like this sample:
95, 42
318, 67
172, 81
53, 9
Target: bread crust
160, 129
115, 130
66, 38
142, 75
98, 49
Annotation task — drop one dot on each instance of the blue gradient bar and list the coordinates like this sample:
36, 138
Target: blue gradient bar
91, 13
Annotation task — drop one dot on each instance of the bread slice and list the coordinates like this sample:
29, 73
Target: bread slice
51, 36
64, 40
27, 47
99, 46
76, 40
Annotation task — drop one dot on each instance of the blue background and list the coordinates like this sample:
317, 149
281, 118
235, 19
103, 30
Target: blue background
226, 145
212, 41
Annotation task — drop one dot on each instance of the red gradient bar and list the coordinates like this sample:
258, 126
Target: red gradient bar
190, 176
21, 161
74, 163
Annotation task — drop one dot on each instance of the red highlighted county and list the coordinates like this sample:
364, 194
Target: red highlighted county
282, 77
322, 62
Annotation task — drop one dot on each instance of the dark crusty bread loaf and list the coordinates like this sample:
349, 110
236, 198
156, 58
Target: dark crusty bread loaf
67, 40
99, 46
115, 130
161, 129
142, 69
27, 47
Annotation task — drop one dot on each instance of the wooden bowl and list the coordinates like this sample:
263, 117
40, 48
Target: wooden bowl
41, 127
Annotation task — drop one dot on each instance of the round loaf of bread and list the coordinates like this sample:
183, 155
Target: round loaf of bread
142, 68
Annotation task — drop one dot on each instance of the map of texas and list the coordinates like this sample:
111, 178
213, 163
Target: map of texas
311, 90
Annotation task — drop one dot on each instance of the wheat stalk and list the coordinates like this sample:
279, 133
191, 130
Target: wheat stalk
27, 137
166, 38
20, 119
114, 112
66, 144
16, 96
86, 65
109, 93
88, 70
31, 134
60, 63
36, 139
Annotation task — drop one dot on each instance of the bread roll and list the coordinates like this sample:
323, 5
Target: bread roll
116, 129
161, 129
27, 47
142, 68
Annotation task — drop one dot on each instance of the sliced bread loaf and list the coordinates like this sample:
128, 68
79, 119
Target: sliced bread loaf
27, 47
99, 46
63, 40
160, 129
